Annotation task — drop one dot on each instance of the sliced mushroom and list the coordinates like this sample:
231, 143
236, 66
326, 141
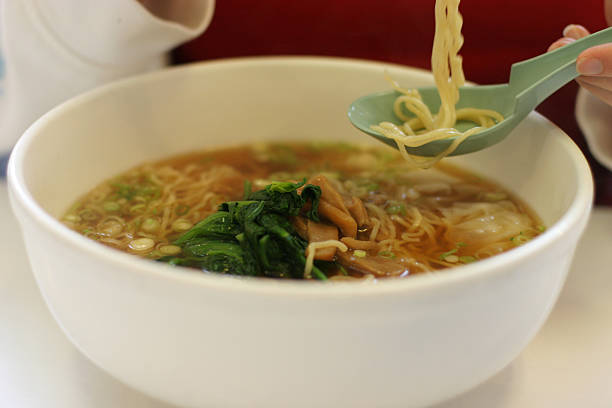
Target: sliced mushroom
341, 219
328, 192
358, 244
375, 265
357, 210
319, 232
301, 226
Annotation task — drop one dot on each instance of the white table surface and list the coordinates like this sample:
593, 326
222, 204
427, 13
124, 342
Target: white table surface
567, 365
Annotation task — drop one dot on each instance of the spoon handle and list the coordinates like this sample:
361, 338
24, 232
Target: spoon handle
542, 75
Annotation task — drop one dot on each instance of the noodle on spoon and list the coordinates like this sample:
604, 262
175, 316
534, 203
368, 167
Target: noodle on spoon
426, 127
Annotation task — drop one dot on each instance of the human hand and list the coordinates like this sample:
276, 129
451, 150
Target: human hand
594, 64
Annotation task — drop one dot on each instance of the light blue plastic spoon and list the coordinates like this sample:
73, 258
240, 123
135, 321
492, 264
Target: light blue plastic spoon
531, 82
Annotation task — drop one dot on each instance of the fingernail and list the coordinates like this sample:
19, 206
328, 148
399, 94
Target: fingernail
589, 66
575, 31
567, 29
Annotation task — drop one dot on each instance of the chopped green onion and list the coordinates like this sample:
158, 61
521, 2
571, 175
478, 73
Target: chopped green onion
72, 218
343, 146
88, 215
334, 175
284, 155
339, 146
387, 254
135, 223
396, 207
446, 254
342, 270
124, 190
541, 228
385, 157
111, 206
452, 258
111, 228
181, 225
359, 253
128, 192
181, 209
151, 191
368, 184
150, 225
372, 187
460, 244
142, 244
207, 159
467, 259
170, 250
155, 254
75, 207
519, 239
494, 196
138, 208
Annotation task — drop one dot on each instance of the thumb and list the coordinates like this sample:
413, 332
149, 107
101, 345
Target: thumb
595, 61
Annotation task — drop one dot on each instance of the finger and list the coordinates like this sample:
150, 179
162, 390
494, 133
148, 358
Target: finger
575, 31
603, 94
595, 61
598, 81
560, 43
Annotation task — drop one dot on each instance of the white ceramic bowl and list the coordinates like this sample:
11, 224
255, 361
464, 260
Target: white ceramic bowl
209, 340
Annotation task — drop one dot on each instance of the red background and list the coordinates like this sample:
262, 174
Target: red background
497, 34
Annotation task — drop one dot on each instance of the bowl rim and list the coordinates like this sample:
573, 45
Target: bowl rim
578, 209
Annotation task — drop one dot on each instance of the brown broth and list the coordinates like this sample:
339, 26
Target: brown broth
423, 217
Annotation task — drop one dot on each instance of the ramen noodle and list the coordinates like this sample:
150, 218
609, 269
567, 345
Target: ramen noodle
304, 210
425, 127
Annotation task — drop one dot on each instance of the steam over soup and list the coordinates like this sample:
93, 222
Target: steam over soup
311, 210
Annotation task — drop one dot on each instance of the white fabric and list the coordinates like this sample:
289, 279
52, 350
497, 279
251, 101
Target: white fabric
595, 120
55, 49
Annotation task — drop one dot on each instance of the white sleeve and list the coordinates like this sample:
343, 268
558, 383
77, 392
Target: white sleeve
595, 120
55, 49
123, 32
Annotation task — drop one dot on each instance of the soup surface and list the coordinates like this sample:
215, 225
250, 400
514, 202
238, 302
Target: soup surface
310, 210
